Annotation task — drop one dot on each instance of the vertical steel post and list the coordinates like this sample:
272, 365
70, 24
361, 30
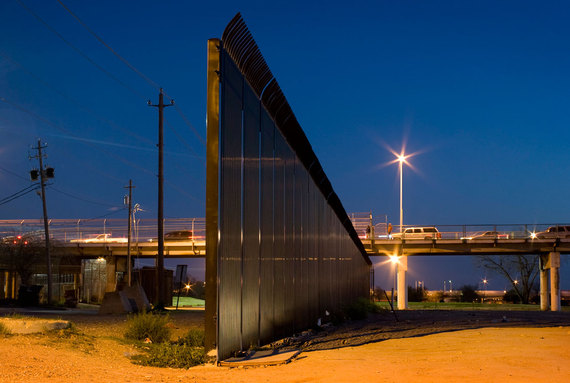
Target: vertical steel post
212, 166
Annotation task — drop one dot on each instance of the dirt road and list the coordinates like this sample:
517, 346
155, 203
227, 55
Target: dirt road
424, 346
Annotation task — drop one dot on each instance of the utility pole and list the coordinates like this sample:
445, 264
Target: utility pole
44, 173
130, 204
160, 255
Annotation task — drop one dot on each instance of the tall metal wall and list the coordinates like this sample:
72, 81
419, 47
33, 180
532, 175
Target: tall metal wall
286, 250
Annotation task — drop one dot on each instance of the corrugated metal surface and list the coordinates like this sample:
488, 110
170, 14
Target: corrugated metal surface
230, 239
267, 210
287, 252
250, 220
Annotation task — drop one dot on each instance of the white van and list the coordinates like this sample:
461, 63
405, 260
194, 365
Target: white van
554, 232
429, 232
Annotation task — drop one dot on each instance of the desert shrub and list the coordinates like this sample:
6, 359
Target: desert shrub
147, 325
194, 338
360, 309
3, 329
171, 355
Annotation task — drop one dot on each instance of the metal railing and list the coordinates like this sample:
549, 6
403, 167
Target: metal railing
78, 230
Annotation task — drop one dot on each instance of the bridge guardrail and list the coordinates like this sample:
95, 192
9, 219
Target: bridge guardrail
67, 230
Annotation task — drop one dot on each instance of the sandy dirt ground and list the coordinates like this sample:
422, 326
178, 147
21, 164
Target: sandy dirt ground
423, 346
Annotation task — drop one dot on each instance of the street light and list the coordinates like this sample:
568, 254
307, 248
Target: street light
484, 288
401, 160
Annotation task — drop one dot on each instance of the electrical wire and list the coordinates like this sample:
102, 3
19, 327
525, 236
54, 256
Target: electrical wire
19, 194
185, 119
81, 198
74, 101
138, 72
55, 126
85, 56
12, 173
134, 69
105, 215
183, 141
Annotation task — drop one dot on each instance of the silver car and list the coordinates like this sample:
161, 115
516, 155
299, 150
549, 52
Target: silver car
418, 233
554, 232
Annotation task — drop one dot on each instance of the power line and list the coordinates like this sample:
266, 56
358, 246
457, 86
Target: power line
105, 215
185, 119
19, 194
138, 72
106, 72
82, 199
12, 173
73, 100
53, 125
132, 67
183, 141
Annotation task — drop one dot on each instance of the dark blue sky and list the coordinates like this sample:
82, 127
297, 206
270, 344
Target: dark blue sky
481, 89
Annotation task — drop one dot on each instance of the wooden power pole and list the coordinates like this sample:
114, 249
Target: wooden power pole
160, 219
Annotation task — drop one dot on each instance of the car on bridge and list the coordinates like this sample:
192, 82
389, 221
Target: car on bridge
553, 232
488, 235
25, 238
179, 235
101, 238
429, 232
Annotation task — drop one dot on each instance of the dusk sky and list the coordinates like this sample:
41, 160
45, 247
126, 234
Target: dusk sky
479, 90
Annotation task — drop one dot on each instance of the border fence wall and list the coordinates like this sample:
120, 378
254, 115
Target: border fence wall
281, 250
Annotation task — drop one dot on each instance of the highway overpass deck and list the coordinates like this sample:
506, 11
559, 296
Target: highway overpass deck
410, 247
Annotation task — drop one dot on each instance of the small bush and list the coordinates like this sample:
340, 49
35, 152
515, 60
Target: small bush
194, 338
171, 355
146, 325
360, 309
3, 329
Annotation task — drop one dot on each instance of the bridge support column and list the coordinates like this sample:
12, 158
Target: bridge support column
554, 281
543, 261
110, 272
402, 288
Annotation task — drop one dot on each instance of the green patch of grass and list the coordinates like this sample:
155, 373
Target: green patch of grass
194, 338
467, 306
188, 301
186, 352
149, 326
360, 309
171, 355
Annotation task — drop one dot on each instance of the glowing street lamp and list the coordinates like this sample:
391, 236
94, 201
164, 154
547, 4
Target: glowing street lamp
401, 160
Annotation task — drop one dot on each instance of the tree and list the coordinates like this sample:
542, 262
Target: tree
520, 270
21, 254
469, 293
416, 294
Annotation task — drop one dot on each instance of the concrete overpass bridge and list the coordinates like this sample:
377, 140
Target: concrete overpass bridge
79, 238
